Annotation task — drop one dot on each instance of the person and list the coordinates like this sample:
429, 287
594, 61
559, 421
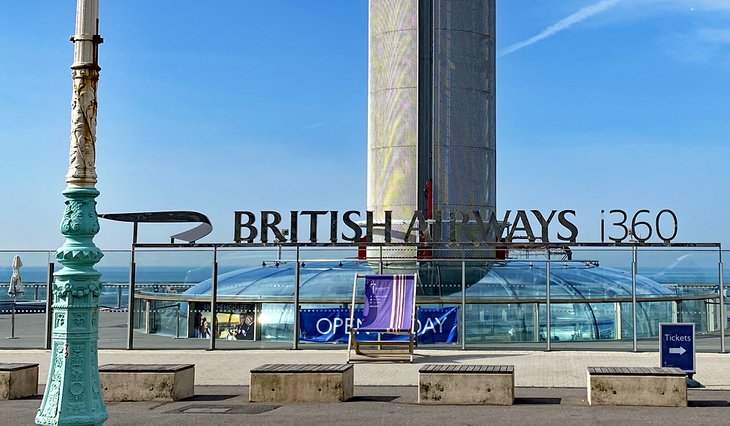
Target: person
205, 329
244, 331
197, 325
231, 333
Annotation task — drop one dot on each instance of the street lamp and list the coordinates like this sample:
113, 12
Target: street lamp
72, 394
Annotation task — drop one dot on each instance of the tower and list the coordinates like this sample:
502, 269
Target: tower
431, 110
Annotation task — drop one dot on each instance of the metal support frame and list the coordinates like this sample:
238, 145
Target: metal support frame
463, 305
723, 313
633, 297
49, 304
295, 340
177, 322
130, 296
380, 261
213, 297
617, 320
12, 320
548, 334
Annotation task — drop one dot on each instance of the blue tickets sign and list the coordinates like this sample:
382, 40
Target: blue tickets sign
435, 325
677, 346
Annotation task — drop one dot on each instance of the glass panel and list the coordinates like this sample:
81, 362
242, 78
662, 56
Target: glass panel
504, 298
166, 313
23, 306
693, 278
114, 299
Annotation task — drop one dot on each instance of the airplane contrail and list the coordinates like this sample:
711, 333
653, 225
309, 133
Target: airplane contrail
561, 25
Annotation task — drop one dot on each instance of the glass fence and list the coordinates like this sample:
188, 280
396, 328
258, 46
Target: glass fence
584, 298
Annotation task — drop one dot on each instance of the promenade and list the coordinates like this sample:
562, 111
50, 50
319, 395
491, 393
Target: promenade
550, 390
557, 369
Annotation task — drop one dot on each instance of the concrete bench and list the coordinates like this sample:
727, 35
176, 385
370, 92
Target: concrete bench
301, 383
18, 380
466, 384
653, 386
147, 382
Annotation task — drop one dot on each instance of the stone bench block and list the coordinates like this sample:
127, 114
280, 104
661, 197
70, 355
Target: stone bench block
466, 384
660, 387
147, 382
301, 383
18, 380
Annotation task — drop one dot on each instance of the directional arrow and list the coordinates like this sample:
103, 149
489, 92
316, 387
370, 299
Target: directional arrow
678, 351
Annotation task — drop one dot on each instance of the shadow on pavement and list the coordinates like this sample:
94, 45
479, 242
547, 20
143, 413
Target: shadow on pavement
538, 401
708, 403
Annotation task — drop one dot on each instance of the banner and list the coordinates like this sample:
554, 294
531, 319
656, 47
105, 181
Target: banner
435, 325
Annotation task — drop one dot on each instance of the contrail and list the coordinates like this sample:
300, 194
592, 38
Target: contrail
561, 25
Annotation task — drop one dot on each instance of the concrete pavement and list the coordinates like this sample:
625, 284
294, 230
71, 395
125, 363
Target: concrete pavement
551, 390
557, 369
393, 405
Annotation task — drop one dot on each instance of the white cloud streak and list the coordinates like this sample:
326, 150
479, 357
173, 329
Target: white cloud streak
562, 25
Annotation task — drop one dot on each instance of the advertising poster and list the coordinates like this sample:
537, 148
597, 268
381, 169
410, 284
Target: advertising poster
233, 321
435, 325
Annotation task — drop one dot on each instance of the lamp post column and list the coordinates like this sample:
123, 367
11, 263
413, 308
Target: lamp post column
72, 394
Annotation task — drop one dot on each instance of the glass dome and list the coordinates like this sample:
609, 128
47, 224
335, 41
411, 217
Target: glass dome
511, 281
505, 301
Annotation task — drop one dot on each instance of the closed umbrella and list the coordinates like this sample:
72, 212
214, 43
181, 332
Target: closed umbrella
16, 282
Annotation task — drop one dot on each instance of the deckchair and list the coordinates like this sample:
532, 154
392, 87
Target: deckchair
389, 306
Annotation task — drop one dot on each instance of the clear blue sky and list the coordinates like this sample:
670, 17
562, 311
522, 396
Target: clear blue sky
251, 105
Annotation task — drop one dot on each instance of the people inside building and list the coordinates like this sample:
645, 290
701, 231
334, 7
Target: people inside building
245, 328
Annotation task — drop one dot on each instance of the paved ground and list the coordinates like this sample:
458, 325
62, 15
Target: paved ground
551, 390
382, 405
532, 368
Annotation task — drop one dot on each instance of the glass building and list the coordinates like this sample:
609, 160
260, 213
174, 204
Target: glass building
493, 301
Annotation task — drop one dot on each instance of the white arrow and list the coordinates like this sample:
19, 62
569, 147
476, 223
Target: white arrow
679, 351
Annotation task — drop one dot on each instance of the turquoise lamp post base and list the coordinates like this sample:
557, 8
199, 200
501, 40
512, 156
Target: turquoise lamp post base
73, 394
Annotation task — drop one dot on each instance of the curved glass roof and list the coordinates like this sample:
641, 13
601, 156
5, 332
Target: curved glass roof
512, 280
569, 280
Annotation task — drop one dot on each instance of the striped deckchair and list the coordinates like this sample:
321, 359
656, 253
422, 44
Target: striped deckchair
389, 306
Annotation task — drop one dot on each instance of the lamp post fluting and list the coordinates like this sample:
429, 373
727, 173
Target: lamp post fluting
72, 394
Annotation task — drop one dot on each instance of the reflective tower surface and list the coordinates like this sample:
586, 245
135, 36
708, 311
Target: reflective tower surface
431, 109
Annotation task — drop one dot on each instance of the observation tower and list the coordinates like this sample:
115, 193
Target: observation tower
431, 110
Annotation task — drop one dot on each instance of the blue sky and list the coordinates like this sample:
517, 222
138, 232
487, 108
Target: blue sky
251, 105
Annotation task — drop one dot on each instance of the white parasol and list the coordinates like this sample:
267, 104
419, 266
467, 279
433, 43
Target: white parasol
16, 282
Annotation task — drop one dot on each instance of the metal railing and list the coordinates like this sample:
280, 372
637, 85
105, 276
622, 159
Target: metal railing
709, 295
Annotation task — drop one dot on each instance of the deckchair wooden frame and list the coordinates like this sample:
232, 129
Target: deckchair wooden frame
404, 353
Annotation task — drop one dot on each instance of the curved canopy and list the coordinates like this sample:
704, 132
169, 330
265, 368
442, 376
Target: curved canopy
501, 280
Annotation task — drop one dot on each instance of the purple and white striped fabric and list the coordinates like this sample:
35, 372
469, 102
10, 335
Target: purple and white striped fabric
388, 303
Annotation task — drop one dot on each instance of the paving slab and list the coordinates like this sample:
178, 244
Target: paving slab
226, 405
532, 368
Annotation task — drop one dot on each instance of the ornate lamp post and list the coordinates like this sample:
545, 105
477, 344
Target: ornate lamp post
72, 394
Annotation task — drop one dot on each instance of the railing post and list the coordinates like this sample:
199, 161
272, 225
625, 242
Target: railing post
548, 334
536, 322
213, 297
177, 321
463, 305
12, 321
49, 304
295, 340
148, 316
618, 332
380, 261
633, 297
723, 314
130, 296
